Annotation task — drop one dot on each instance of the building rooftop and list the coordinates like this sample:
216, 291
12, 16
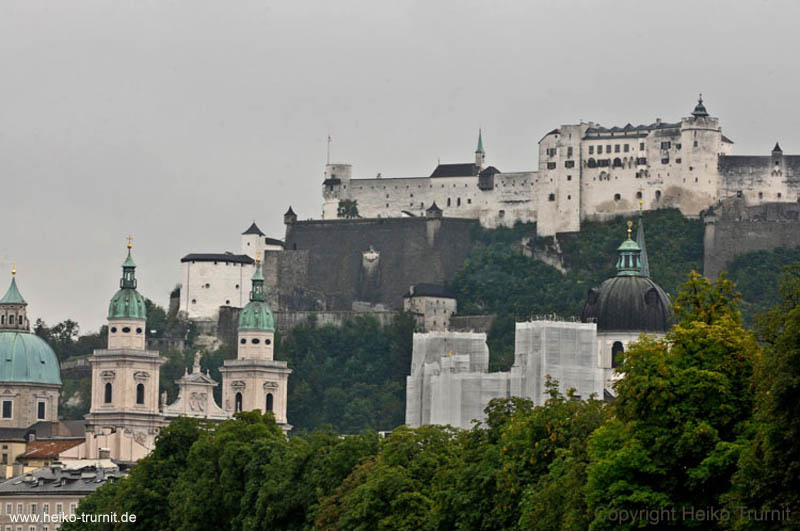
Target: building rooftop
253, 229
49, 448
456, 170
218, 257
79, 478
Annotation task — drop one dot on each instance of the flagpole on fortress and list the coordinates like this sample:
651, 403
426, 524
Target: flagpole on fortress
329, 148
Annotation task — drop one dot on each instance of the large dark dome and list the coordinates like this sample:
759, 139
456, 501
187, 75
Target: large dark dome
628, 304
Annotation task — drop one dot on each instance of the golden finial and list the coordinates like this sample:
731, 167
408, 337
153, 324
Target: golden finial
13, 269
130, 242
630, 224
258, 257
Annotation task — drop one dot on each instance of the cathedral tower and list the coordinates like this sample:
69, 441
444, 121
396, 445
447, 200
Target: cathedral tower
254, 380
124, 415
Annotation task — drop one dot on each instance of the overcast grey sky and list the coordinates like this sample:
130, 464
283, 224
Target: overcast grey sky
181, 121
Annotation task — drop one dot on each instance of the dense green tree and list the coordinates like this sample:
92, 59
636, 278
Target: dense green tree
682, 407
348, 209
769, 469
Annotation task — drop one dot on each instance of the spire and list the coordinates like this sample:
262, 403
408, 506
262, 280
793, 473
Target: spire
257, 291
700, 109
480, 143
777, 151
629, 253
645, 265
13, 295
253, 229
128, 279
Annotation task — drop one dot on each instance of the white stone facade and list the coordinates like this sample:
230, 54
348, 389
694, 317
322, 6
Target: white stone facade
450, 383
584, 172
431, 312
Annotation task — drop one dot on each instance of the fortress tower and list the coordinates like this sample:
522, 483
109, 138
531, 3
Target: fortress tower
254, 380
124, 415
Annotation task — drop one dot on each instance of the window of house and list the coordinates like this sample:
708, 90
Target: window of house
569, 177
8, 409
665, 160
551, 197
269, 401
608, 148
599, 150
46, 508
695, 143
738, 193
140, 394
10, 319
255, 341
641, 160
617, 197
108, 393
641, 146
604, 163
677, 161
40, 411
469, 201
569, 164
761, 195
638, 195
238, 402
677, 146
551, 165
626, 148
665, 145
32, 508
591, 150
458, 201
59, 508
616, 148
448, 201
592, 163
569, 152
779, 195
658, 194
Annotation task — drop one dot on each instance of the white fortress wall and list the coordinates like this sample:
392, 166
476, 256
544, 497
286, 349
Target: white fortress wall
208, 285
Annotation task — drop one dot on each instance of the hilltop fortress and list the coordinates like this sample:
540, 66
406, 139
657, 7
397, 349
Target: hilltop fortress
585, 172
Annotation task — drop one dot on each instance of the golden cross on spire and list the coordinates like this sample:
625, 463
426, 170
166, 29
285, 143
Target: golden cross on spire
630, 224
258, 257
130, 242
13, 269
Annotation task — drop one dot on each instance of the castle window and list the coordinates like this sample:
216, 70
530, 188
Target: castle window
448, 201
238, 402
677, 161
569, 152
458, 202
665, 160
140, 394
267, 342
617, 162
227, 302
551, 197
761, 195
641, 160
569, 177
255, 341
626, 148
695, 143
569, 164
616, 350
269, 401
665, 145
677, 146
638, 195
569, 197
608, 148
779, 195
126, 329
551, 165
10, 319
243, 341
616, 148
738, 193
591, 150
592, 163
237, 286
108, 393
469, 201
8, 409
658, 194
617, 197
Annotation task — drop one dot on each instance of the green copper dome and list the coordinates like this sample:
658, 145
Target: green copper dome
127, 303
257, 315
27, 358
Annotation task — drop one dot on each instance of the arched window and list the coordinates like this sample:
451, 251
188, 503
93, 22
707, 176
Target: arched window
238, 405
616, 350
617, 162
108, 393
2, 319
592, 163
658, 194
269, 401
10, 319
140, 394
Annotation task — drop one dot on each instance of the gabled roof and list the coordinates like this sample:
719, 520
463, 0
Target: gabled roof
253, 229
52, 448
218, 257
455, 170
273, 241
433, 208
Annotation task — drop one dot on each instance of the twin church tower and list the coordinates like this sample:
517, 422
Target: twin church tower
127, 411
